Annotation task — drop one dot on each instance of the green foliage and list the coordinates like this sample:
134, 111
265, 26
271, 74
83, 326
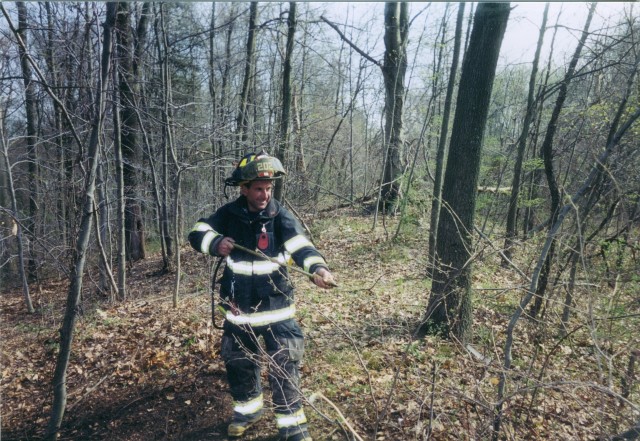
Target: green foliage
531, 203
435, 329
532, 164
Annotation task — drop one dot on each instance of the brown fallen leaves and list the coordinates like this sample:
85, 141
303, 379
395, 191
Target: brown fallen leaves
142, 370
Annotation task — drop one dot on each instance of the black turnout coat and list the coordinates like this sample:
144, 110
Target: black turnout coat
250, 283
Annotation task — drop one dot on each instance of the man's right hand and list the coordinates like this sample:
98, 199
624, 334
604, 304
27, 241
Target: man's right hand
225, 246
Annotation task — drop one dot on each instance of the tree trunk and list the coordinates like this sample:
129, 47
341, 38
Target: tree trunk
450, 308
62, 196
396, 26
512, 211
442, 142
128, 56
547, 155
216, 145
242, 121
300, 164
13, 220
285, 119
167, 119
102, 225
122, 235
31, 138
75, 288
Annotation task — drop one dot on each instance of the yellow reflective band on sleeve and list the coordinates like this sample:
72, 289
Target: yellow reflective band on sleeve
311, 261
201, 226
206, 241
248, 407
296, 243
290, 420
262, 318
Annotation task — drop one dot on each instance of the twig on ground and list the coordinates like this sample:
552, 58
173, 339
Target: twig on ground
317, 395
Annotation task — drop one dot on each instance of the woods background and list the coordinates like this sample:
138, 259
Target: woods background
120, 121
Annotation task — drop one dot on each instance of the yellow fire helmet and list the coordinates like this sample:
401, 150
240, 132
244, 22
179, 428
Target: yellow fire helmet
256, 167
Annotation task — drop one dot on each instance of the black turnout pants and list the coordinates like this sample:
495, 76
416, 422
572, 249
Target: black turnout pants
243, 357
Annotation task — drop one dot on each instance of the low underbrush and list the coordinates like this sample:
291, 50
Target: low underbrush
143, 370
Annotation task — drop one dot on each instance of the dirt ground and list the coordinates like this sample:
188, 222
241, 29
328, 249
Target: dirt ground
143, 370
140, 370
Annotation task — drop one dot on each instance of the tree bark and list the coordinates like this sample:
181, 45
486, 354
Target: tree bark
167, 119
31, 138
129, 53
216, 144
82, 245
442, 142
396, 26
54, 72
242, 121
122, 235
285, 120
450, 308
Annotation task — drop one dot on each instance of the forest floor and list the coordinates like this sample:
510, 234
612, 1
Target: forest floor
144, 370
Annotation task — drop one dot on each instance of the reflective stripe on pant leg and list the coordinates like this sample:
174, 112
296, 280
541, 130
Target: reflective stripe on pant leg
249, 407
285, 421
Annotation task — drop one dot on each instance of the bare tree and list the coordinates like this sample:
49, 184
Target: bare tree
547, 155
242, 121
129, 55
450, 309
393, 71
75, 288
285, 119
442, 141
15, 221
522, 143
396, 25
31, 138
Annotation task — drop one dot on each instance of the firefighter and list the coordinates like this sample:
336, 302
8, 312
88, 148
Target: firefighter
257, 295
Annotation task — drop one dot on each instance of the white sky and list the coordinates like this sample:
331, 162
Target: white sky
524, 21
522, 30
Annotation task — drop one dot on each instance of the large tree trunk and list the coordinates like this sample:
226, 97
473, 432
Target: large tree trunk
547, 155
286, 97
522, 144
450, 308
82, 245
436, 203
396, 25
128, 56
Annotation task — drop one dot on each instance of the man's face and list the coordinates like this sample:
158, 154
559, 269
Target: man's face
258, 194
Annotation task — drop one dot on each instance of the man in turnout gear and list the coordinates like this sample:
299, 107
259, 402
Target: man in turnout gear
258, 296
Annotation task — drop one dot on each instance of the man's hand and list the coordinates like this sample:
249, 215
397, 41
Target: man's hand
324, 279
225, 246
